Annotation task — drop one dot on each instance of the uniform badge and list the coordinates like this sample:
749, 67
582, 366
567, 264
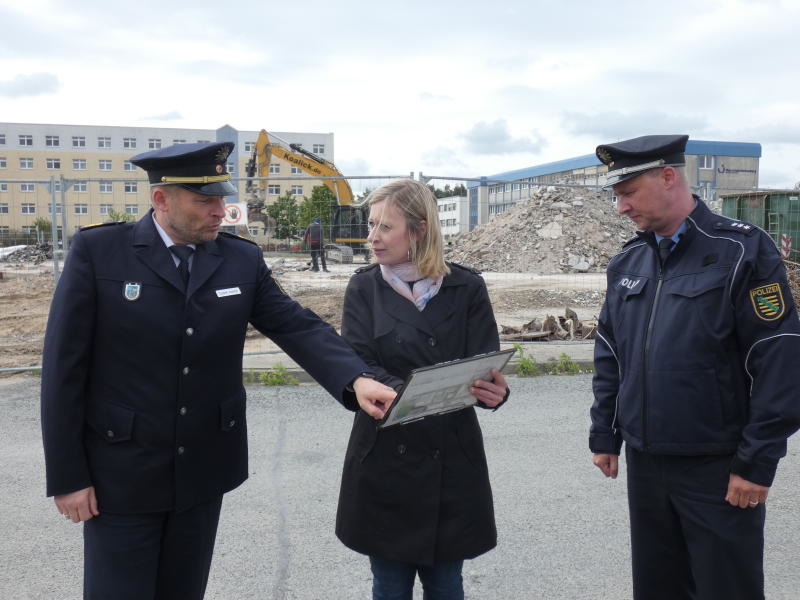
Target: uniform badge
222, 154
132, 291
768, 302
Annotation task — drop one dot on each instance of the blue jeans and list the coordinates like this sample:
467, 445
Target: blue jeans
393, 580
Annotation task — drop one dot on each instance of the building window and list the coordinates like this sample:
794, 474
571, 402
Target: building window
51, 140
104, 142
50, 208
129, 143
253, 231
78, 141
131, 187
131, 209
2, 162
274, 190
25, 163
81, 209
80, 186
297, 190
106, 208
274, 169
296, 170
154, 143
129, 166
28, 209
318, 148
79, 164
26, 140
53, 163
106, 187
105, 165
249, 146
29, 229
231, 168
2, 139
3, 187
705, 161
4, 208
56, 186
203, 141
178, 141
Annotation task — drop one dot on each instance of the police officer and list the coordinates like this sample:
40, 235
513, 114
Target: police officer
697, 364
143, 408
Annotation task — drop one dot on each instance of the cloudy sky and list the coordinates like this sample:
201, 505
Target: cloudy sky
462, 88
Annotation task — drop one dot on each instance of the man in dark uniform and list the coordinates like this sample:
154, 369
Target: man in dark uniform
314, 240
697, 360
143, 407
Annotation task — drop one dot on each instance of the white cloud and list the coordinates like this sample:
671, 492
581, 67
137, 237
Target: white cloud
34, 84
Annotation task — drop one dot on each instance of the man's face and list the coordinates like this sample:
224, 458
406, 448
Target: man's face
643, 200
189, 217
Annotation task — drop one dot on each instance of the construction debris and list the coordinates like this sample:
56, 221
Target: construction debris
29, 254
551, 328
555, 230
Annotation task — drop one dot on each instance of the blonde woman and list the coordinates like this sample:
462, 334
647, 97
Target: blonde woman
416, 498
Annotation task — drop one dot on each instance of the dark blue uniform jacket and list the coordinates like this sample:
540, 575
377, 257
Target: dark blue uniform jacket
143, 398
701, 357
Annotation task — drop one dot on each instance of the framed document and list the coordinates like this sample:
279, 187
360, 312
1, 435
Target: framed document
442, 388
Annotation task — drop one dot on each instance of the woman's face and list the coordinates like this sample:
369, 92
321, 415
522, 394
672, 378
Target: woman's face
388, 234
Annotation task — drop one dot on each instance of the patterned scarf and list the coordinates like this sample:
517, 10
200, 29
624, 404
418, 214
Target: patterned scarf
398, 277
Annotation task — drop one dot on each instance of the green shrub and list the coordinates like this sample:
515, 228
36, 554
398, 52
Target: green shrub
526, 365
563, 365
279, 375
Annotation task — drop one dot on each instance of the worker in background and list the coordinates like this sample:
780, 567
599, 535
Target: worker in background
697, 369
315, 243
143, 407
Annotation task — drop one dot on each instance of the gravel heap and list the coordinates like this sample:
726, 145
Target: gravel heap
556, 230
30, 254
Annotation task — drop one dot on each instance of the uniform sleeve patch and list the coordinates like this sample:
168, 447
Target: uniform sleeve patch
768, 302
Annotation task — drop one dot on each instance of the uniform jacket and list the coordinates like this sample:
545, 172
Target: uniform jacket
700, 357
142, 393
420, 492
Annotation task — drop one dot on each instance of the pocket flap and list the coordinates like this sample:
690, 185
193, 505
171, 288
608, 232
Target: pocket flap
111, 421
697, 284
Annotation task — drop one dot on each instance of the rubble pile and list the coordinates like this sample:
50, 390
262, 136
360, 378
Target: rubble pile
551, 328
30, 254
793, 272
556, 230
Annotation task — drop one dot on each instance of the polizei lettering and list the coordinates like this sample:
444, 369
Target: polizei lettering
629, 283
304, 164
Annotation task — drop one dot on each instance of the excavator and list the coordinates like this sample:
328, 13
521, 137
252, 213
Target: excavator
347, 234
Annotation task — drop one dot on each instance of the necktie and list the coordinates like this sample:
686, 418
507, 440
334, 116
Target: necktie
183, 253
664, 248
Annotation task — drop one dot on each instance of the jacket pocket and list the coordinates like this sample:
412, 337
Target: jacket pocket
112, 422
364, 436
231, 413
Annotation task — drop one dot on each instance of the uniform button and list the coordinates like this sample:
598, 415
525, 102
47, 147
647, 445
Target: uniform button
435, 454
181, 449
398, 339
185, 370
401, 449
109, 433
189, 331
232, 422
182, 411
432, 341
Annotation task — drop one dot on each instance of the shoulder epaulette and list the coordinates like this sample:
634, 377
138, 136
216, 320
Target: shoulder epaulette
738, 226
93, 225
366, 268
465, 268
237, 237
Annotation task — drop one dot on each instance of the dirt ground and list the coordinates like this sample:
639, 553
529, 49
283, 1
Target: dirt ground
26, 291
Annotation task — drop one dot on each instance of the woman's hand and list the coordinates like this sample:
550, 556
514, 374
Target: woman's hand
490, 393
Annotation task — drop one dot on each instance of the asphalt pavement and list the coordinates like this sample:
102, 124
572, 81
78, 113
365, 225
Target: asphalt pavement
562, 526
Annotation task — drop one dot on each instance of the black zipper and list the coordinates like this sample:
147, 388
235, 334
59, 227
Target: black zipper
646, 353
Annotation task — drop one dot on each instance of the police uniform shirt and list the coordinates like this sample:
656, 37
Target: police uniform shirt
169, 243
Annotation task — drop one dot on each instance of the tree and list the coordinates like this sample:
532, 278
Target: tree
286, 214
114, 216
43, 225
320, 206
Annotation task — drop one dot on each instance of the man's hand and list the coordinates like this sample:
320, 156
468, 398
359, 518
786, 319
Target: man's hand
607, 463
78, 506
490, 393
745, 494
373, 397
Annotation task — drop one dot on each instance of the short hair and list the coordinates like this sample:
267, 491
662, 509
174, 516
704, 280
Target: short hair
416, 203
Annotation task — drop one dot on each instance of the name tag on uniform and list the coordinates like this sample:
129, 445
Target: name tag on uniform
234, 291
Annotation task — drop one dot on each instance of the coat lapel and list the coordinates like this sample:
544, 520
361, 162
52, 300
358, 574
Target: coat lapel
207, 259
150, 249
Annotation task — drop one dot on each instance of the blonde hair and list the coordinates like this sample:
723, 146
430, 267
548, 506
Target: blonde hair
416, 203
